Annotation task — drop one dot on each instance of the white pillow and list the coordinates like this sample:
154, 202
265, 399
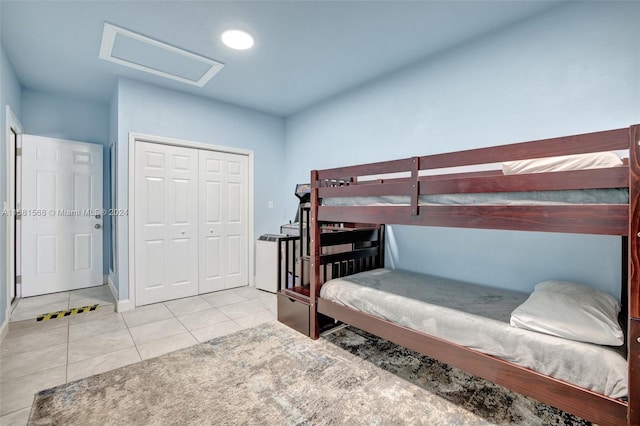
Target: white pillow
572, 311
563, 163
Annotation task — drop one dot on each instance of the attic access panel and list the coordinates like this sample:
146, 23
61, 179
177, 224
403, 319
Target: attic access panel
143, 53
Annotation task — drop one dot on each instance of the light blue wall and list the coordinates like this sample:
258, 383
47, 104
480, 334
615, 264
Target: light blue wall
152, 110
61, 116
10, 91
571, 70
66, 117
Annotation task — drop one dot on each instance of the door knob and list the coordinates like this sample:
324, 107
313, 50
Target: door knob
97, 226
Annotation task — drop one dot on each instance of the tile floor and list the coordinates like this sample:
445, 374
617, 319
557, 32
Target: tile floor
39, 355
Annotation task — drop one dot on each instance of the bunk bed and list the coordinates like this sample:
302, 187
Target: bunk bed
352, 205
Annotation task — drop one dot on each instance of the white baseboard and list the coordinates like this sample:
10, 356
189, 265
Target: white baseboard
125, 305
112, 287
4, 328
121, 305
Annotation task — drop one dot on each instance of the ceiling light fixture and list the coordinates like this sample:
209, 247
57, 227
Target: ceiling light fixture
238, 40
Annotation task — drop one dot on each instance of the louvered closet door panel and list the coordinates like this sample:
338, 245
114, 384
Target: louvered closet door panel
166, 222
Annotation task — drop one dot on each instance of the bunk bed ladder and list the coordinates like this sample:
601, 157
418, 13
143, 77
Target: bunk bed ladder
338, 250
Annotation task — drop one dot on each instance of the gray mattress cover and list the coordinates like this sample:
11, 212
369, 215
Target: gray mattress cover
478, 317
561, 197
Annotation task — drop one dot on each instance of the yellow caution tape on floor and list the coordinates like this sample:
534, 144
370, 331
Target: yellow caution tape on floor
67, 312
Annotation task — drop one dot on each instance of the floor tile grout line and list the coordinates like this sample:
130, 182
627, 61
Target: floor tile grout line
15, 411
134, 343
208, 325
38, 390
111, 351
238, 324
194, 337
10, 379
157, 340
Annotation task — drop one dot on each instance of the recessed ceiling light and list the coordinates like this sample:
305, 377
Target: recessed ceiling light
237, 39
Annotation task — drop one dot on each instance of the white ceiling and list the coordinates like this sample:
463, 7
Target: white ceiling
305, 50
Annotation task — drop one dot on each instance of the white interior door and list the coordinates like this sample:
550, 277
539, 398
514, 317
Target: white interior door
223, 220
61, 220
166, 222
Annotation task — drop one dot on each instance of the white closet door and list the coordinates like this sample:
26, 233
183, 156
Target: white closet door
212, 195
236, 221
62, 220
166, 222
223, 221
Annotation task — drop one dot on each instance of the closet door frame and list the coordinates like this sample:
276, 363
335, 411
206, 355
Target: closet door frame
140, 137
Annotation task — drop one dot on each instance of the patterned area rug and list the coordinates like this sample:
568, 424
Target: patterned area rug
492, 403
272, 375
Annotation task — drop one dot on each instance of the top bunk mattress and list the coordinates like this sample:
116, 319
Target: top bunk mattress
478, 317
559, 197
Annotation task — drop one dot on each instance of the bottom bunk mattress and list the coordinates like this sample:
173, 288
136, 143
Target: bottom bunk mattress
478, 317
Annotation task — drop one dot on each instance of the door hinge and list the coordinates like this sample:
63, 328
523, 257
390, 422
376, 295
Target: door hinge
18, 279
18, 152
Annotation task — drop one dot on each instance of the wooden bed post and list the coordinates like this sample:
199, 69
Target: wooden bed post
314, 270
634, 277
382, 243
415, 186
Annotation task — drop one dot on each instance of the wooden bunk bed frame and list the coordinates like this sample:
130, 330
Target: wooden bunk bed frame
605, 219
